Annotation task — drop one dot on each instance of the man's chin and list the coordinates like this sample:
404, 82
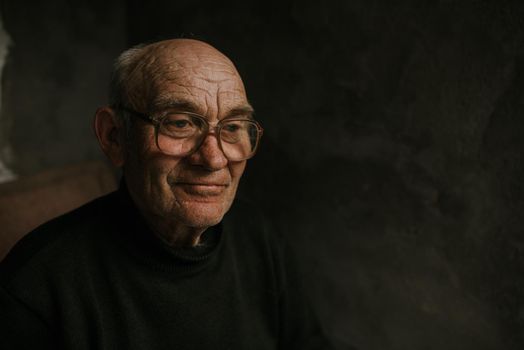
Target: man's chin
201, 214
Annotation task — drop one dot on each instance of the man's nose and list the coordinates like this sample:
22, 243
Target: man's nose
209, 155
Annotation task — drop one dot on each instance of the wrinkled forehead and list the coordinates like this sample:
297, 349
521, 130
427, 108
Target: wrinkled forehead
199, 75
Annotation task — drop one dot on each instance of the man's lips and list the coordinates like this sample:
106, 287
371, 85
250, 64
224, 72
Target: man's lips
202, 188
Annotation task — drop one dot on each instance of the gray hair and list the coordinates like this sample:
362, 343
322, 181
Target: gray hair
124, 69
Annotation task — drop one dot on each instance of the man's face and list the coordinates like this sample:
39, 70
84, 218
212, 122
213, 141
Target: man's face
195, 190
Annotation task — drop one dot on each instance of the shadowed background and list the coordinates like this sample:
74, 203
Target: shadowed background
392, 156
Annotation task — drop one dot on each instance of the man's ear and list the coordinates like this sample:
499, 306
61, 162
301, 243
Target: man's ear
111, 135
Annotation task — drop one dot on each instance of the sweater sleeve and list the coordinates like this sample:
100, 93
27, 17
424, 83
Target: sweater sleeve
21, 328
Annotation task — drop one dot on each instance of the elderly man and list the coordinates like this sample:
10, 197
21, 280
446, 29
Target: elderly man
158, 264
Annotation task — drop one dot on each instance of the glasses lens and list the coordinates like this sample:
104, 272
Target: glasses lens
179, 133
239, 139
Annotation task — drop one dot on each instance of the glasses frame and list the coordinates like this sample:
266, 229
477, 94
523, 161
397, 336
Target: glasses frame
157, 122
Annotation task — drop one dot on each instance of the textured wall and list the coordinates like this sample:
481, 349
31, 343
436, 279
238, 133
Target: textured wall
56, 76
5, 173
392, 156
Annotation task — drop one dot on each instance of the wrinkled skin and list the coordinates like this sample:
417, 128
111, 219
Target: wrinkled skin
182, 196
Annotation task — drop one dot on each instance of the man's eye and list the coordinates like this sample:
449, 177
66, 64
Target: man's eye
178, 121
231, 127
179, 125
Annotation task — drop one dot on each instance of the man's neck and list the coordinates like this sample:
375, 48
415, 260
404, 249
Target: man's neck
179, 236
175, 234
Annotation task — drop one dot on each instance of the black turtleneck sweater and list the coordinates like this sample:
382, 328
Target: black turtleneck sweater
98, 278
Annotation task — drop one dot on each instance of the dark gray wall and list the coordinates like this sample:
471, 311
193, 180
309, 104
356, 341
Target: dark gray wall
392, 157
55, 78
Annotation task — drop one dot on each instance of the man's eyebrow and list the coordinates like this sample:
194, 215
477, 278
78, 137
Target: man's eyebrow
245, 110
176, 103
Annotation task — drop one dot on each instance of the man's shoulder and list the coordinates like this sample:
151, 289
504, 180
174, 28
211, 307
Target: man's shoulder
57, 238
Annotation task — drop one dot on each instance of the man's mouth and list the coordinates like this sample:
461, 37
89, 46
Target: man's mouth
202, 188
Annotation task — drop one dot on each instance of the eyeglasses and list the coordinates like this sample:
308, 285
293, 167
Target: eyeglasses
182, 133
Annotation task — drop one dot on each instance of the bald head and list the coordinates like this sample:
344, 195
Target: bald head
141, 73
